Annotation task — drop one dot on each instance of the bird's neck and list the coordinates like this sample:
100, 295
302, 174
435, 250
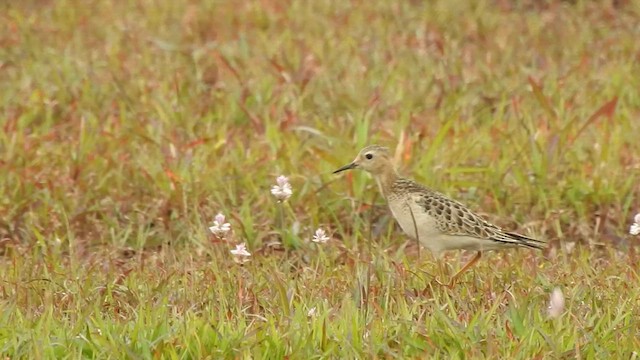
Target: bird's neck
386, 179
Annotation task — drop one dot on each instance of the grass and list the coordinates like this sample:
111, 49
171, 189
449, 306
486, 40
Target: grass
128, 125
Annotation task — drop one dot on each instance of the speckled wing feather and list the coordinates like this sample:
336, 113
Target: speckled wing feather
453, 218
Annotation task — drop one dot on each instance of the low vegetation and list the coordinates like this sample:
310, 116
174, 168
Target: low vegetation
127, 126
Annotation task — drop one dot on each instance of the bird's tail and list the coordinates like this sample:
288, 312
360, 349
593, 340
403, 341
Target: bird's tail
522, 240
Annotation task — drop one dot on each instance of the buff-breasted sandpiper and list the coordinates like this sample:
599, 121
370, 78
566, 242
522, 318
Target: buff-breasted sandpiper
436, 221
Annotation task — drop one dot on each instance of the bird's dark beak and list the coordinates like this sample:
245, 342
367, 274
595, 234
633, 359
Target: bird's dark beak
353, 165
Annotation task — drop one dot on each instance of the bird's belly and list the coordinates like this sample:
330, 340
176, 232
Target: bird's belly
460, 242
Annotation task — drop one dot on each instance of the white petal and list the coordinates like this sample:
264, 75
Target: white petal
281, 193
240, 253
320, 239
635, 229
556, 304
282, 180
240, 250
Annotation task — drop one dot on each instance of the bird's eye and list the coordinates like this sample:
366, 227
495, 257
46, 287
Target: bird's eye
369, 156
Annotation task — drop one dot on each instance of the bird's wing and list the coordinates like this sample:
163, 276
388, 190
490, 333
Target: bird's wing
453, 218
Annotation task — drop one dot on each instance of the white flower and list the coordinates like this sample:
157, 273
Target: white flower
241, 250
556, 304
219, 227
283, 190
635, 227
320, 236
311, 312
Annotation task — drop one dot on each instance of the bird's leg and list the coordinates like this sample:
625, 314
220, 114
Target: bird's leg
464, 268
443, 271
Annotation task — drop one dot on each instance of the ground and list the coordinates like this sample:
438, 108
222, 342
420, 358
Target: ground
128, 125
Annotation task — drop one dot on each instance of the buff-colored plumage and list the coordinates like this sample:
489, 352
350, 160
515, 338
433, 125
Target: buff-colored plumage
436, 221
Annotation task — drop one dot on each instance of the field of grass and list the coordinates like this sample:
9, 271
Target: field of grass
128, 125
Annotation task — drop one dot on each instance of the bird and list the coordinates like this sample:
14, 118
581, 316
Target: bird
436, 221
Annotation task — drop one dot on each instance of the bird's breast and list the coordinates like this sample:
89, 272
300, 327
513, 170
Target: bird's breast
411, 217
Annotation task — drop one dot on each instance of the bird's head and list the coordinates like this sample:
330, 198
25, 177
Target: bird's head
373, 159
